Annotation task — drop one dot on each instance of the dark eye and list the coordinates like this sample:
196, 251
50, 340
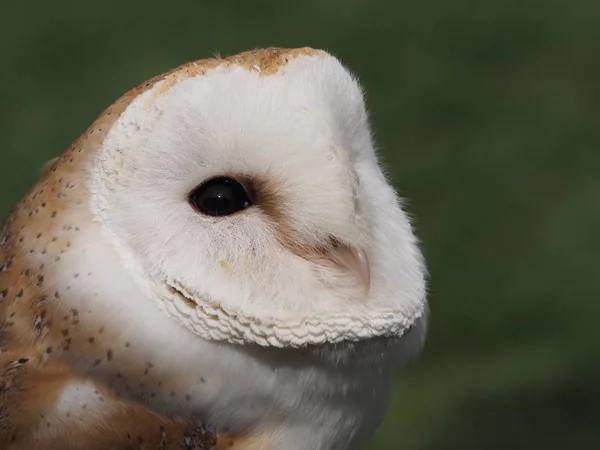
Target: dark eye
220, 196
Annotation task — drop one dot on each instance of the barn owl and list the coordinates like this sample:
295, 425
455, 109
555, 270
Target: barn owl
217, 262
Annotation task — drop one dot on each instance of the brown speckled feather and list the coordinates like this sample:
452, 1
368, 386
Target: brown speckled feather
29, 419
44, 347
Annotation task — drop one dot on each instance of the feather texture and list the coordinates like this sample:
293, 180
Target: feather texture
122, 297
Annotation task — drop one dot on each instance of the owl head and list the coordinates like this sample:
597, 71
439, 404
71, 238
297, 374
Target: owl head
245, 197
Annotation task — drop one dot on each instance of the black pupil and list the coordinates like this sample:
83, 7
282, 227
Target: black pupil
220, 197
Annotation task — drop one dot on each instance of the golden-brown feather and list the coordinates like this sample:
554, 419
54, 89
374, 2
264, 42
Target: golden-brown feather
37, 335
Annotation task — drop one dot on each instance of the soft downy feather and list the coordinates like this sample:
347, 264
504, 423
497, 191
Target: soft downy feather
248, 322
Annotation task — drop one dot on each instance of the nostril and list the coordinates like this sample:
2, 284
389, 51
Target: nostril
335, 243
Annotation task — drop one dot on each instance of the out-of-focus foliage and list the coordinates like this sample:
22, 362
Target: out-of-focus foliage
487, 116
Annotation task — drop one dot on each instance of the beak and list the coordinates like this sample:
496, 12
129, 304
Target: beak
354, 261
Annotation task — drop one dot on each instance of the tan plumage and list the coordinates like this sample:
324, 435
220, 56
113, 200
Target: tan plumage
76, 373
29, 419
36, 333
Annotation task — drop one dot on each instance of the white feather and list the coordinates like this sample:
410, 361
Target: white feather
305, 131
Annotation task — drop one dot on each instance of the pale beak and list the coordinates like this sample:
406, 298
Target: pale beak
355, 261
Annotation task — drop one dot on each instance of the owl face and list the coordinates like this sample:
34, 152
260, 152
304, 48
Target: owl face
245, 198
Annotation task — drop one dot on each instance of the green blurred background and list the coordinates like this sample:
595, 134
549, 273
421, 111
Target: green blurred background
487, 116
